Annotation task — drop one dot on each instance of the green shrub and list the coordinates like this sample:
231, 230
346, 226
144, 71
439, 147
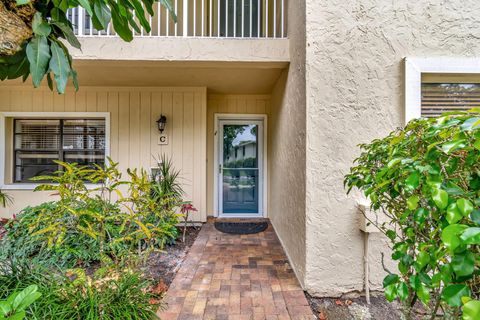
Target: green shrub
87, 224
13, 308
83, 249
426, 179
110, 293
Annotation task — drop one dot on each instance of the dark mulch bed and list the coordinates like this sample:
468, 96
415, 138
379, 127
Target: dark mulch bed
355, 308
3, 221
163, 266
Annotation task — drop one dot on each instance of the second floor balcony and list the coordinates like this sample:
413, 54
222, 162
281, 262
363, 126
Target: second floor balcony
205, 31
244, 19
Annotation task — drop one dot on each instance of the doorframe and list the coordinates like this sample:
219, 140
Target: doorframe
235, 116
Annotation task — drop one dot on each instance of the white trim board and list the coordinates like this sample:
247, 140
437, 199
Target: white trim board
414, 67
45, 115
233, 116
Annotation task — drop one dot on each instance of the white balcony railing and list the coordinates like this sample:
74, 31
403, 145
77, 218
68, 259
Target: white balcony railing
204, 18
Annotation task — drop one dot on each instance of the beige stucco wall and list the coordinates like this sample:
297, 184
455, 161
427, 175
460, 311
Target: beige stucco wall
133, 130
287, 147
229, 103
183, 49
354, 77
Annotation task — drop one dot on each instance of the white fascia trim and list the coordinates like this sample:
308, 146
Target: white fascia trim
414, 67
45, 115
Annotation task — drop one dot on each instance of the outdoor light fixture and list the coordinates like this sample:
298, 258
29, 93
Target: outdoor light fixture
161, 122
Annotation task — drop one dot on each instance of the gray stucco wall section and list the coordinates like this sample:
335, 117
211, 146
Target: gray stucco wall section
354, 76
287, 147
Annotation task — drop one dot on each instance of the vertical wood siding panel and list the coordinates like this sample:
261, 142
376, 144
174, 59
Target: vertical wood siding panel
188, 143
241, 105
231, 105
177, 136
134, 129
199, 151
114, 121
123, 130
80, 101
102, 101
167, 110
26, 101
91, 101
70, 101
47, 101
58, 103
261, 106
251, 105
145, 126
37, 100
16, 101
155, 111
5, 101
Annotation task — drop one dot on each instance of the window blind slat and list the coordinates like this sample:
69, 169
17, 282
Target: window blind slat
438, 98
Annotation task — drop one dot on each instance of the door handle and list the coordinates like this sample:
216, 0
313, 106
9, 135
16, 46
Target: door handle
219, 168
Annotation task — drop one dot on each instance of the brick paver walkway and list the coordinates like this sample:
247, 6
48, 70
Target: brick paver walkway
236, 277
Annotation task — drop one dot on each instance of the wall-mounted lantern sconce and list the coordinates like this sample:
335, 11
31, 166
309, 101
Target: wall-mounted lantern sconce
161, 122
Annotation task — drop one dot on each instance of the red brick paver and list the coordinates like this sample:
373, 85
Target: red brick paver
236, 277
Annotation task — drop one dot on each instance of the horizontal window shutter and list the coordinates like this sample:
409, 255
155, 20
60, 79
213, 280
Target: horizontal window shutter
438, 98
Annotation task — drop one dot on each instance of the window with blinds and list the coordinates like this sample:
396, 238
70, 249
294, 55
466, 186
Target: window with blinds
438, 98
37, 142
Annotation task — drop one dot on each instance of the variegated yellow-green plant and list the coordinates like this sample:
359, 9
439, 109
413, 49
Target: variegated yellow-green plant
92, 205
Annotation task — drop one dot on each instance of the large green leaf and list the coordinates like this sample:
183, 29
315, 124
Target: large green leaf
390, 279
60, 67
465, 206
413, 180
453, 294
412, 202
453, 214
463, 264
440, 197
120, 23
140, 14
26, 297
471, 236
450, 235
86, 4
391, 292
471, 310
451, 146
40, 26
68, 34
422, 259
102, 14
38, 53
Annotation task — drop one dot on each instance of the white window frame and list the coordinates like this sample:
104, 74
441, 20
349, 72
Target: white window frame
414, 67
216, 151
44, 115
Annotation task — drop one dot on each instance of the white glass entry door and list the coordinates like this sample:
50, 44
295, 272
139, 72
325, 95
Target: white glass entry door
240, 171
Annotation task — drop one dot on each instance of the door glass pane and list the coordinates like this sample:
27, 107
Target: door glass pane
240, 169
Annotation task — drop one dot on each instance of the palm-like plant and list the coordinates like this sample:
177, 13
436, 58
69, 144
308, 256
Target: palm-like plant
5, 199
165, 182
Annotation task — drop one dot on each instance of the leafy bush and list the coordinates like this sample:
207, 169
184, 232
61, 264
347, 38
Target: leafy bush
110, 293
83, 250
13, 308
426, 179
87, 224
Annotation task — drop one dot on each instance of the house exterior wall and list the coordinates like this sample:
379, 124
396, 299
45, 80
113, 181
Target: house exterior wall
234, 104
355, 85
287, 147
133, 130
